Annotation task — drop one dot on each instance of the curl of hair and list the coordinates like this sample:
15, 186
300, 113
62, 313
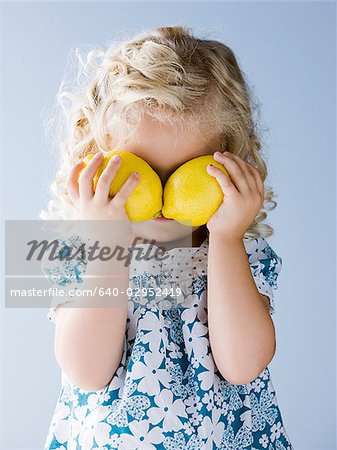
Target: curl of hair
167, 73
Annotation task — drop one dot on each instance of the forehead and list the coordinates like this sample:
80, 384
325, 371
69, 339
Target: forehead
157, 139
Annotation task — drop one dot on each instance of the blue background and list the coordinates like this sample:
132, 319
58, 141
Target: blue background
287, 51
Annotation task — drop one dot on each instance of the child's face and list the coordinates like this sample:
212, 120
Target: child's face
165, 149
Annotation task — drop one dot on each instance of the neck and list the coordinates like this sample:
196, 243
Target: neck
199, 235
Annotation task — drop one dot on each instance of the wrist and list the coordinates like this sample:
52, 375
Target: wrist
225, 237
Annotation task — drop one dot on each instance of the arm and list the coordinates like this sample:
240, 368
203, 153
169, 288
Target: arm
241, 331
89, 341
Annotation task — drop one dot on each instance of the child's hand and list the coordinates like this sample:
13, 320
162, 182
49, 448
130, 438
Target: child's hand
243, 196
98, 205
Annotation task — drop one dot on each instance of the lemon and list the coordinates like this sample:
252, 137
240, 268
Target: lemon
145, 201
191, 193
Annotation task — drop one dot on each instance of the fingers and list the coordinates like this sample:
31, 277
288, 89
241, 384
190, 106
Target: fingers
72, 181
86, 176
238, 170
258, 179
225, 183
106, 178
123, 194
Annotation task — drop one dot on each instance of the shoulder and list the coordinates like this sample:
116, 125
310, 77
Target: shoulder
260, 249
264, 261
68, 262
64, 272
265, 265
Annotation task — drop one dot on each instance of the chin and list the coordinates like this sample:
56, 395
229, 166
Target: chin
162, 231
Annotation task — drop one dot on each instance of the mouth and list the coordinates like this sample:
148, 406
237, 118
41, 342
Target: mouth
162, 219
159, 217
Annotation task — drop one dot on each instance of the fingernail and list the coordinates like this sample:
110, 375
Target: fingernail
217, 153
136, 174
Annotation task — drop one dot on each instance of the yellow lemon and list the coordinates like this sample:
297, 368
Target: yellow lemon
191, 193
145, 201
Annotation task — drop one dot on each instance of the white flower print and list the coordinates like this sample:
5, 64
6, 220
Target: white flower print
195, 363
95, 428
195, 340
154, 330
206, 377
208, 399
231, 394
246, 418
270, 387
71, 444
115, 441
191, 304
196, 418
275, 431
265, 374
217, 399
179, 442
150, 373
257, 385
78, 421
168, 409
224, 409
141, 438
97, 398
193, 404
257, 249
230, 417
262, 410
239, 441
132, 404
188, 428
167, 392
118, 381
174, 351
67, 394
60, 426
211, 430
195, 308
264, 440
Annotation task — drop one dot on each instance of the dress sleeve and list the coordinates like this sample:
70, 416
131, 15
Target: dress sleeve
265, 265
65, 274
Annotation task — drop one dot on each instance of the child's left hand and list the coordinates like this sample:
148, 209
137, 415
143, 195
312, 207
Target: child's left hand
243, 196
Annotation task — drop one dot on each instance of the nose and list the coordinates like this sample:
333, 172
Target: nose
163, 175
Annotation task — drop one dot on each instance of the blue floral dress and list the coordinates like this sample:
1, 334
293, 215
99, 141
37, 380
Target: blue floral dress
167, 393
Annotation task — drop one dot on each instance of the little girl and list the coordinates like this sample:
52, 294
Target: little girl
193, 376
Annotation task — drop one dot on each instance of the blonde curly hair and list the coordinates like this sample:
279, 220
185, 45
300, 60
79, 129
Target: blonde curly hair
167, 73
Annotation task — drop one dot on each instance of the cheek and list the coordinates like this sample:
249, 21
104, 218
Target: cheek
159, 164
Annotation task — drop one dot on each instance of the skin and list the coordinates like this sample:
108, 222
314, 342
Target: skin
241, 331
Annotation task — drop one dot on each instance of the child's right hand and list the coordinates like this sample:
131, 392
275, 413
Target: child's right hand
98, 205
